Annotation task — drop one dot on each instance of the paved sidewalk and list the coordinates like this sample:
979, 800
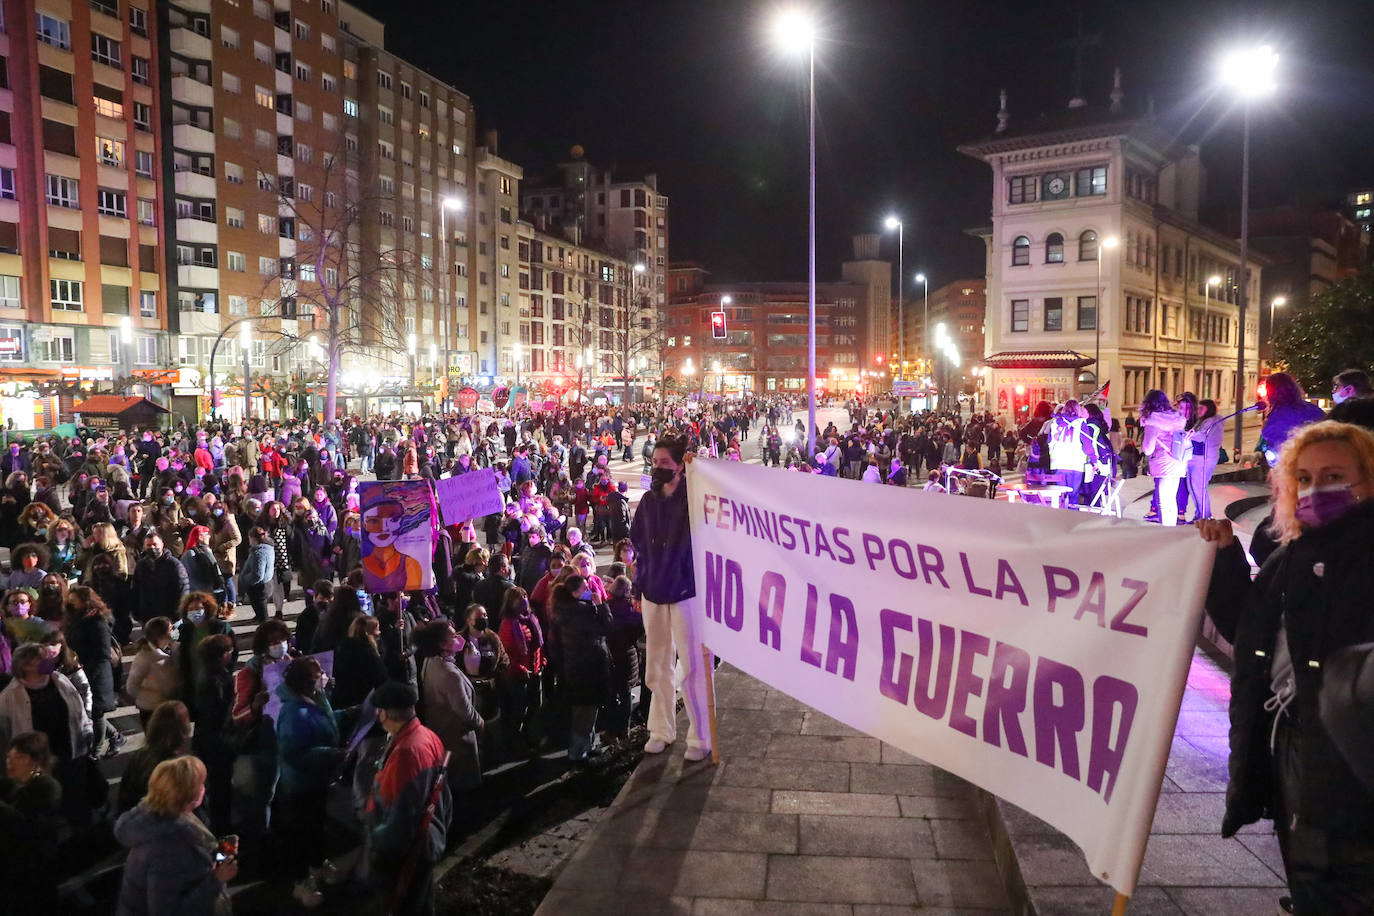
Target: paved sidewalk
1188, 868
804, 817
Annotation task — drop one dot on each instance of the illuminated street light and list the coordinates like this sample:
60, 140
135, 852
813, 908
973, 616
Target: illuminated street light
1250, 73
795, 32
892, 222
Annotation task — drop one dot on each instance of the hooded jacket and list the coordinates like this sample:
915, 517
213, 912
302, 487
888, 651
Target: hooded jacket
170, 866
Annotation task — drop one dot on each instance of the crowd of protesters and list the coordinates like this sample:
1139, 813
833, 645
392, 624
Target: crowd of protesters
131, 553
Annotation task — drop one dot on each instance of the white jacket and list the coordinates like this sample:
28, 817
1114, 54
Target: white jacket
16, 714
154, 677
1159, 443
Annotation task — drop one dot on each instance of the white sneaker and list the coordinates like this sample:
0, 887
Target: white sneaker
696, 753
655, 746
307, 892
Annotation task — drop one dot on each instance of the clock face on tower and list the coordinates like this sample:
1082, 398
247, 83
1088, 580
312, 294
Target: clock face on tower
1056, 186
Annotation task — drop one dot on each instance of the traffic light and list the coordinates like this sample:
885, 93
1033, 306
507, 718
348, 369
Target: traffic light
878, 359
1262, 389
718, 325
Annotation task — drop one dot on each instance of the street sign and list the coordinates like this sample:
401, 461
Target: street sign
10, 344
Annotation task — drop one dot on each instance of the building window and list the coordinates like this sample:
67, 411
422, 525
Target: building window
139, 68
65, 294
233, 216
7, 184
105, 50
145, 353
1087, 245
1020, 251
62, 192
1090, 182
143, 116
383, 79
54, 31
1054, 248
1020, 314
147, 304
59, 348
267, 224
1022, 189
110, 152
147, 212
235, 261
112, 203
1087, 313
9, 299
109, 107
143, 163
238, 305
1054, 314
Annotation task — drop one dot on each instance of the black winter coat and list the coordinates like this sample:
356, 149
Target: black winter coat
90, 639
579, 636
1315, 588
159, 584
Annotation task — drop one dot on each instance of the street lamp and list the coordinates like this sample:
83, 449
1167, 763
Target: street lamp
796, 33
446, 204
1277, 302
1109, 243
126, 337
410, 349
892, 222
1212, 281
246, 344
922, 279
715, 367
519, 358
1250, 74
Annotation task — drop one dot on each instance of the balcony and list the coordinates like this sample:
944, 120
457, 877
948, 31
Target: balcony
190, 229
192, 92
190, 44
202, 323
194, 184
193, 276
192, 139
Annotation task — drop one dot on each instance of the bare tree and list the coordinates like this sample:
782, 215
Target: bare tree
345, 280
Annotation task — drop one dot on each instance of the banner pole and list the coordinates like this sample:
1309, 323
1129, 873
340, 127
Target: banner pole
1119, 905
707, 660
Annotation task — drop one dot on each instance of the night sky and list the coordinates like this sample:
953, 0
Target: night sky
695, 91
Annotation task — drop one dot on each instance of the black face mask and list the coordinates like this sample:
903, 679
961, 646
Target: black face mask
661, 477
479, 624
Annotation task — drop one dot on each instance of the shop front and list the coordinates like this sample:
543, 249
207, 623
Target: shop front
1017, 381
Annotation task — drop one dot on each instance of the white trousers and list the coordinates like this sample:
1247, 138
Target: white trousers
672, 632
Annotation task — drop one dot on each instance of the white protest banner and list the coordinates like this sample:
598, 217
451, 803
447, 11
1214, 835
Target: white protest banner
1040, 654
471, 495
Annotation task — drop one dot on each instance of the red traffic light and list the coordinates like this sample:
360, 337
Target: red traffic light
1262, 389
718, 325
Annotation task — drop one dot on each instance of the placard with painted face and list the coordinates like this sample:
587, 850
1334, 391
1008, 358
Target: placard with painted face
398, 531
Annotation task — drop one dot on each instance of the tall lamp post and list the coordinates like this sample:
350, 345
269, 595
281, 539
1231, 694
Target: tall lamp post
1107, 244
245, 344
445, 205
922, 279
1250, 73
126, 338
892, 222
410, 351
796, 33
519, 359
1276, 302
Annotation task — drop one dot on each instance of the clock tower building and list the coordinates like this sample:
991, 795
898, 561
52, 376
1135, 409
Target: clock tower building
1098, 269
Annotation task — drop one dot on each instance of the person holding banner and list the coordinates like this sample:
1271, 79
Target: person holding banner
1291, 628
666, 586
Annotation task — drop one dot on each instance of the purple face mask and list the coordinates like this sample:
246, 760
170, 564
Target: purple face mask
1318, 506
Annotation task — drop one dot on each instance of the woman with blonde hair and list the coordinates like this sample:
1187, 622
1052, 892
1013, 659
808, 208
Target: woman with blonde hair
1301, 632
104, 539
171, 866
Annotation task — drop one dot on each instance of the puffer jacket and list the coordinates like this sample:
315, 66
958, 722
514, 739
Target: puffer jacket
1313, 588
170, 866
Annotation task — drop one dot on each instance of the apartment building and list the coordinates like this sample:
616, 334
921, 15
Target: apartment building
1098, 268
765, 350
581, 319
624, 216
82, 278
495, 264
409, 142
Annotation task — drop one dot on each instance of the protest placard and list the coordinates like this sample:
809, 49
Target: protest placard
1039, 654
471, 495
399, 524
272, 678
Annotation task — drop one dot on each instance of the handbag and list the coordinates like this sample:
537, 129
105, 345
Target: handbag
1345, 705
